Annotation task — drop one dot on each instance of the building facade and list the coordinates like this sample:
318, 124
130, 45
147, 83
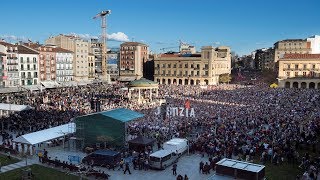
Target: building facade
112, 64
264, 59
3, 60
29, 66
199, 69
315, 44
91, 66
95, 48
80, 47
133, 55
185, 48
291, 46
299, 71
64, 59
10, 65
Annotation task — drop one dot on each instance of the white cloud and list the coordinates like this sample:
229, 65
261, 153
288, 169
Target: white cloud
217, 43
13, 38
119, 36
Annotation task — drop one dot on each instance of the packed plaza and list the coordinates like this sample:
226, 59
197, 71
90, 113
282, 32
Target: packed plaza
244, 122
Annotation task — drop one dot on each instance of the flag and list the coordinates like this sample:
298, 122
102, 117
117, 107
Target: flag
187, 104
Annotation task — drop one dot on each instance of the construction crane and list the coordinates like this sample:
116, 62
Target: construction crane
103, 15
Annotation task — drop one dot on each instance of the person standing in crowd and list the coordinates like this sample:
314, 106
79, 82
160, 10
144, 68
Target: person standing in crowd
126, 168
174, 169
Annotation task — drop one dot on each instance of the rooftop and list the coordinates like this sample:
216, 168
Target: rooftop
142, 83
301, 56
25, 50
133, 44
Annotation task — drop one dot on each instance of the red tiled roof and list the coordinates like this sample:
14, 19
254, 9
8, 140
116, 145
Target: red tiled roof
5, 43
61, 50
25, 50
301, 56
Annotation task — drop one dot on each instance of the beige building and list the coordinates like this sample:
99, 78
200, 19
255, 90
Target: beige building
133, 55
299, 71
91, 66
200, 69
291, 46
80, 47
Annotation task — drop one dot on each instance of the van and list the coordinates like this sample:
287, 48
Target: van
176, 145
104, 158
162, 159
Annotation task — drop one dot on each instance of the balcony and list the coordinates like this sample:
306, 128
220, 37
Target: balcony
12, 70
9, 57
12, 63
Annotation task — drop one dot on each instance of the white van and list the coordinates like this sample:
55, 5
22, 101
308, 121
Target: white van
176, 145
162, 159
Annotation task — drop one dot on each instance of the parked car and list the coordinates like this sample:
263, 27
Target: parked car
104, 158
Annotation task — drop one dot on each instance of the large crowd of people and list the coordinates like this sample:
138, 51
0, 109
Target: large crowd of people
231, 120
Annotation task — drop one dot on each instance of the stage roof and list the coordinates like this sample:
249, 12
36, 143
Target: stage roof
241, 165
121, 114
14, 107
46, 135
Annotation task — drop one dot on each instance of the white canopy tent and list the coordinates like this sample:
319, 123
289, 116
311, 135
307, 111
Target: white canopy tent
14, 107
50, 84
46, 135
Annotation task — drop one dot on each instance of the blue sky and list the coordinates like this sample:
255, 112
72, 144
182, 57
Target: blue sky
245, 25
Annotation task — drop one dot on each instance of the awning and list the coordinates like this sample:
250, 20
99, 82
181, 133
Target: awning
12, 90
14, 107
33, 87
46, 135
69, 83
50, 84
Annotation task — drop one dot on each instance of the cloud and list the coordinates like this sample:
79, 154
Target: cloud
119, 36
217, 43
13, 38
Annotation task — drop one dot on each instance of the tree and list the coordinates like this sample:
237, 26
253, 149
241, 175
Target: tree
225, 78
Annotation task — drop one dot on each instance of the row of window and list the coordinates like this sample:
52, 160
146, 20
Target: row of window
35, 75
28, 67
304, 74
298, 66
186, 73
34, 60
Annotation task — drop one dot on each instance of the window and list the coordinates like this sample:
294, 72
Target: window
21, 59
296, 66
296, 74
288, 74
304, 66
304, 74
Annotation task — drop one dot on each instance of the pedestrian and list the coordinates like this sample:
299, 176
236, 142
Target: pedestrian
201, 167
186, 177
179, 177
174, 169
121, 164
126, 168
